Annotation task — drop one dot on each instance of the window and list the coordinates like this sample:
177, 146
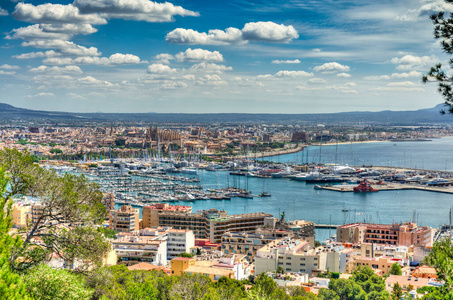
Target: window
288, 264
302, 265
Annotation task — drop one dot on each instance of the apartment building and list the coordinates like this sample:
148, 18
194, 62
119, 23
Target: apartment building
179, 241
404, 234
124, 219
21, 215
212, 223
146, 245
380, 263
296, 256
249, 243
150, 213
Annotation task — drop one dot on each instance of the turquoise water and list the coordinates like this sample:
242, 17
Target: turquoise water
434, 155
300, 201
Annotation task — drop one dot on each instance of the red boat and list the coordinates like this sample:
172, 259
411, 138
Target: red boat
365, 187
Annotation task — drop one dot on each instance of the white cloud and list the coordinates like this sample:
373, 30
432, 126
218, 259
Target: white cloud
66, 47
57, 70
3, 12
33, 32
316, 80
31, 55
380, 77
401, 84
281, 74
296, 61
254, 31
140, 10
41, 95
171, 85
407, 75
2, 72
211, 80
213, 37
164, 58
76, 96
89, 80
114, 59
269, 32
160, 69
69, 29
331, 67
199, 55
411, 62
316, 50
54, 13
344, 75
210, 67
426, 10
9, 67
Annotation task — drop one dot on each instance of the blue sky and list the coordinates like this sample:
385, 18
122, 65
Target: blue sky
257, 56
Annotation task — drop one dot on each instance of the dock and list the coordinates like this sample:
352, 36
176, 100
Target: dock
326, 226
392, 187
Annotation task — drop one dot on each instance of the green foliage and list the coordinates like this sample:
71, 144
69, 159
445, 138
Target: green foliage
396, 269
184, 254
68, 199
347, 289
108, 233
44, 283
441, 258
443, 30
397, 291
22, 142
368, 280
11, 286
56, 151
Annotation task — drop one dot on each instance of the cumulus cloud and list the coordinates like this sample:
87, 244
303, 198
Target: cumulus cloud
114, 59
411, 62
254, 31
345, 89
31, 55
213, 37
9, 67
331, 67
3, 12
3, 72
281, 74
295, 61
171, 85
139, 10
344, 75
89, 80
379, 77
57, 70
316, 81
199, 55
41, 95
269, 32
426, 10
66, 47
403, 83
407, 75
211, 80
164, 58
35, 32
160, 69
54, 13
210, 68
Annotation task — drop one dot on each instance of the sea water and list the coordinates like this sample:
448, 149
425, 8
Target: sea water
300, 200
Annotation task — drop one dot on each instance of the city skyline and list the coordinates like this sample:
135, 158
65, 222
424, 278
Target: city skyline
208, 56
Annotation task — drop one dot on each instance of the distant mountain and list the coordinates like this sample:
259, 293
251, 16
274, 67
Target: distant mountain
416, 117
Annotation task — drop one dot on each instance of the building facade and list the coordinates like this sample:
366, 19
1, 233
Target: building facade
124, 219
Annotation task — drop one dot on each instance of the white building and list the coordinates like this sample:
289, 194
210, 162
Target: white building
179, 241
296, 256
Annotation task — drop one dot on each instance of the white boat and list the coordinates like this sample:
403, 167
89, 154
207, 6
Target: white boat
191, 171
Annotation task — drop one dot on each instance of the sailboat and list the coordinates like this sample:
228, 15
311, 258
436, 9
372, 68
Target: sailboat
265, 193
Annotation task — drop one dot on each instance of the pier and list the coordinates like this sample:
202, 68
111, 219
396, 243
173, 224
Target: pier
326, 226
392, 187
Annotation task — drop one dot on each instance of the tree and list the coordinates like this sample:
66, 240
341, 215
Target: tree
11, 286
443, 31
397, 291
441, 258
70, 207
396, 269
46, 283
